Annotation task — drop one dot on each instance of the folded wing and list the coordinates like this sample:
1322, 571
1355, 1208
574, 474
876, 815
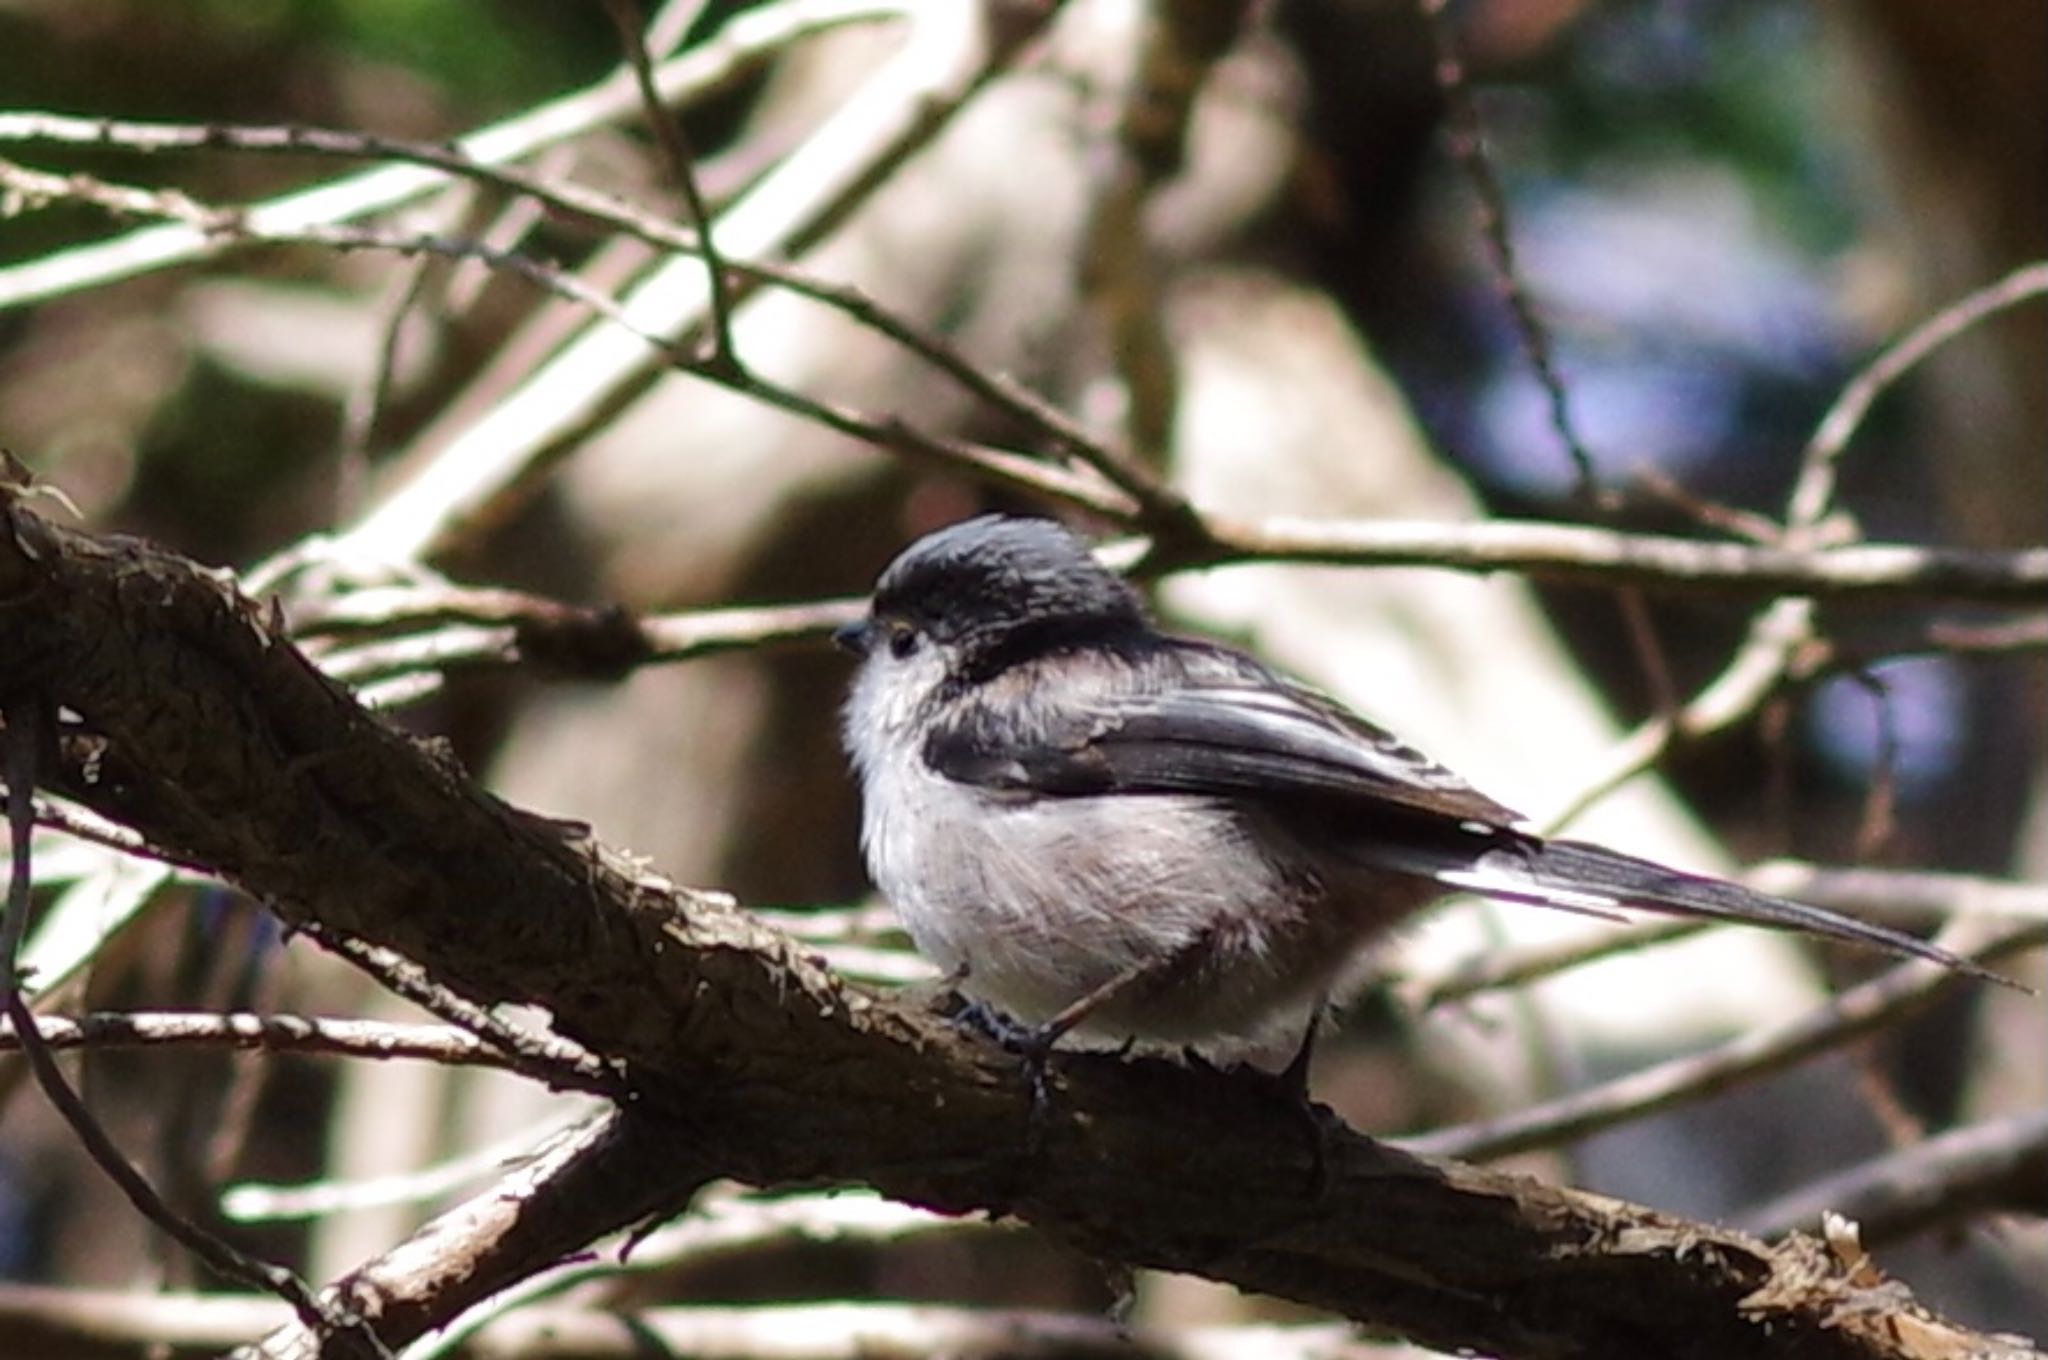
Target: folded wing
1218, 728
1208, 722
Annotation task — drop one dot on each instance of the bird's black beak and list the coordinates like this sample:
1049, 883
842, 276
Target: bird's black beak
854, 637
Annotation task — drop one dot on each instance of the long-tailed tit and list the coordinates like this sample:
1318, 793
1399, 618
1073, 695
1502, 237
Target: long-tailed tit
1103, 829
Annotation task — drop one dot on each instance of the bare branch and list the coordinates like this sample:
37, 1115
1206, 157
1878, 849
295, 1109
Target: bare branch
1585, 555
1158, 503
1820, 463
382, 633
367, 399
1854, 1013
1556, 552
28, 718
750, 1060
952, 54
254, 1202
751, 38
1468, 148
681, 161
87, 826
545, 1057
294, 1034
592, 1180
1994, 1167
1777, 638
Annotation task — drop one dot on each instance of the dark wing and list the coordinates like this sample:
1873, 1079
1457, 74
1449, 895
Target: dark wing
1195, 719
1200, 720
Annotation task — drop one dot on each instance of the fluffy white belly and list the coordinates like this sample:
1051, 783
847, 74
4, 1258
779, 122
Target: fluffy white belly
1043, 900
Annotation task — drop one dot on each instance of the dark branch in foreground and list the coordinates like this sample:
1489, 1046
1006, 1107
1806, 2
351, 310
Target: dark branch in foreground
204, 729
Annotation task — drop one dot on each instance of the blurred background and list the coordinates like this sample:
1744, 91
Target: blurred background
1234, 239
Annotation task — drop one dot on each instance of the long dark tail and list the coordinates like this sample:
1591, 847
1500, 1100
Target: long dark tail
1576, 876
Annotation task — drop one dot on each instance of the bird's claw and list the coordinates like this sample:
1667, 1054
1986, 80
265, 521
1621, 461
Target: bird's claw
1032, 1043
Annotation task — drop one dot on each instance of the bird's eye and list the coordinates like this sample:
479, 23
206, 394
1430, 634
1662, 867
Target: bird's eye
902, 641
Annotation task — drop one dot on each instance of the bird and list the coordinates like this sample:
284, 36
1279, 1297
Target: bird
1100, 829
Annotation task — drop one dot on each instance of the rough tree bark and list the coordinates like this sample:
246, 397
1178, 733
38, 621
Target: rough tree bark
201, 726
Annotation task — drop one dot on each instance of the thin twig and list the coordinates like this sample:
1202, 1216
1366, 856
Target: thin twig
1157, 501
1877, 823
1508, 966
1820, 464
26, 720
1849, 1016
27, 728
723, 1225
2001, 1164
902, 107
250, 1202
1015, 471
442, 630
38, 187
1589, 555
750, 38
367, 399
1468, 149
539, 1212
681, 161
90, 826
547, 1058
1902, 896
671, 24
1777, 638
379, 633
1720, 518
245, 1031
2019, 635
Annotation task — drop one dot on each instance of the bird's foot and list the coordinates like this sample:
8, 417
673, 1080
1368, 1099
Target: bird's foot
1033, 1044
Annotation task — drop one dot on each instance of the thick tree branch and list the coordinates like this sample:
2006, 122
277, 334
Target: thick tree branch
202, 727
